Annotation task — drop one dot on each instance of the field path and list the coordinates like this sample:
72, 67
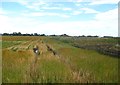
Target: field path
32, 74
47, 53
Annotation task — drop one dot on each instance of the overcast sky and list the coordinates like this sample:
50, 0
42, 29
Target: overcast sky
77, 17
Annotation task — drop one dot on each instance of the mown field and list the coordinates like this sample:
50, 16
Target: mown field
59, 61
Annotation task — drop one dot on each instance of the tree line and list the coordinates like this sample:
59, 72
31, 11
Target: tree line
36, 34
20, 34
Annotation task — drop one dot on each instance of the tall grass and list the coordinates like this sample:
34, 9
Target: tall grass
53, 71
102, 68
0, 61
14, 65
74, 65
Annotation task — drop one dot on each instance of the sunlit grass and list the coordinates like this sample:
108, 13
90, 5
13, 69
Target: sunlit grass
74, 65
101, 67
6, 44
14, 65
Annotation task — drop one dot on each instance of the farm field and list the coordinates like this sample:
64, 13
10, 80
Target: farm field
61, 60
0, 67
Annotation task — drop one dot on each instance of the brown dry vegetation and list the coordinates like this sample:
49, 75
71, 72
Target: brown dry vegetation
0, 37
21, 38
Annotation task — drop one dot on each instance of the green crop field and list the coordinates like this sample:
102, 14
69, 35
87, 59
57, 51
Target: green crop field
61, 60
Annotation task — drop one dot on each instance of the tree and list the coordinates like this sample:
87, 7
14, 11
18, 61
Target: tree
5, 34
42, 35
35, 34
19, 34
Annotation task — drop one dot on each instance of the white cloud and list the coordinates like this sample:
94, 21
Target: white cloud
51, 8
32, 4
38, 5
80, 0
57, 8
93, 2
108, 15
100, 26
103, 24
67, 9
5, 24
37, 14
76, 12
65, 16
78, 4
97, 2
109, 21
89, 10
43, 5
22, 2
2, 11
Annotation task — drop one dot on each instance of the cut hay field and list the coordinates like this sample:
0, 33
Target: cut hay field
58, 62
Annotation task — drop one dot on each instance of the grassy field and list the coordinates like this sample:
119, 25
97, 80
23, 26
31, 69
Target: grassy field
65, 63
0, 60
107, 46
